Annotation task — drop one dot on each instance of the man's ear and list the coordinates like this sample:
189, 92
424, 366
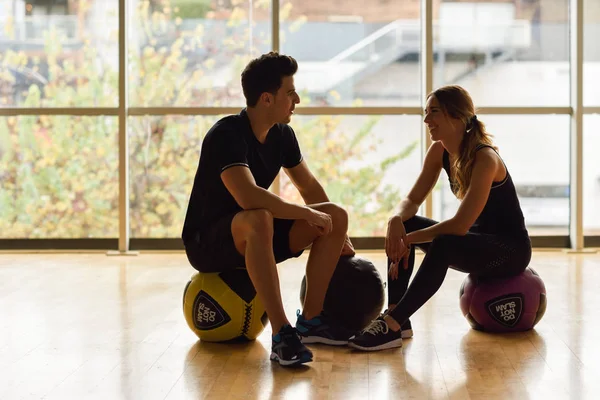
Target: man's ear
267, 98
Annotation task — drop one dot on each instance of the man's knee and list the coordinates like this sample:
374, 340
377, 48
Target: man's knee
339, 216
253, 223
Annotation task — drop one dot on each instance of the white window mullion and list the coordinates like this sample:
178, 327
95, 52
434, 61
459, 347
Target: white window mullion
426, 81
576, 156
276, 186
124, 228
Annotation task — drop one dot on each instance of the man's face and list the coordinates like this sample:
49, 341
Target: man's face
285, 101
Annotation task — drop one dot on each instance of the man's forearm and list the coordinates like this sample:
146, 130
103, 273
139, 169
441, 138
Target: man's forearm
314, 194
261, 198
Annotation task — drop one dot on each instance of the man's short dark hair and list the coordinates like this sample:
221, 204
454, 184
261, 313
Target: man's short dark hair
265, 74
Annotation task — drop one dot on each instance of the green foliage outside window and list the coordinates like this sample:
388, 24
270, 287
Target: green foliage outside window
60, 173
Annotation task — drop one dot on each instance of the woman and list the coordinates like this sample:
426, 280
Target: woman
486, 237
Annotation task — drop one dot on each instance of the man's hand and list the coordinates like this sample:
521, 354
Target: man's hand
348, 249
320, 220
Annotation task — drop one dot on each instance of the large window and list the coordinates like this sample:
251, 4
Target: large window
58, 53
163, 160
59, 177
190, 53
591, 123
591, 175
362, 79
366, 163
354, 55
591, 53
506, 53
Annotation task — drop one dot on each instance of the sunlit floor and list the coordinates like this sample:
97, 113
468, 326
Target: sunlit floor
88, 326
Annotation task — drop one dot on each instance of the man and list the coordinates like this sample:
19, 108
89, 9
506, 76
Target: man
234, 221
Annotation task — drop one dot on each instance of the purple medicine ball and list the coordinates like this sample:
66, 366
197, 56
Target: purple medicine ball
503, 304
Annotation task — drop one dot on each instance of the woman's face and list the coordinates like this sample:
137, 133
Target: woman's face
440, 125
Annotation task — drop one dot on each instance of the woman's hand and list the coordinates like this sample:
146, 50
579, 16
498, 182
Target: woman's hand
395, 238
396, 245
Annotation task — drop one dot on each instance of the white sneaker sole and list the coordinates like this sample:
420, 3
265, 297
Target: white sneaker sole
275, 357
389, 345
407, 333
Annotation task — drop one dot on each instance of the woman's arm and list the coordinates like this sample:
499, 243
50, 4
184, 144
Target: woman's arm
430, 172
485, 169
395, 239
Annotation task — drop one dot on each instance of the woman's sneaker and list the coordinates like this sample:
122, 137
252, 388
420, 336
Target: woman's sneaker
405, 328
287, 348
376, 336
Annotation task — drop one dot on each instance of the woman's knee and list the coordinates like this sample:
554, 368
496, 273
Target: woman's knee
411, 224
443, 242
416, 223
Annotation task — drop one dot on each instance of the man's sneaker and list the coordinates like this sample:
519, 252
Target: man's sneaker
320, 330
288, 349
376, 336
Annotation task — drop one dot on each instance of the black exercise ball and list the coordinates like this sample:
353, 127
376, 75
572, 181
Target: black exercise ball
355, 295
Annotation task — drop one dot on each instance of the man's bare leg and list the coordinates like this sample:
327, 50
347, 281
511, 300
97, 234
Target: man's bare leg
253, 236
323, 256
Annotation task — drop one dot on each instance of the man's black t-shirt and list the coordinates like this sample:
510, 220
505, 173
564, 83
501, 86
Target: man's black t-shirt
229, 143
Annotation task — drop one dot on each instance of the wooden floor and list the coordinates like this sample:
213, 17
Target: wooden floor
88, 326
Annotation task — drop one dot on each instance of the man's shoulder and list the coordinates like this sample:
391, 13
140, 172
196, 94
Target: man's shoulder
283, 127
283, 130
231, 125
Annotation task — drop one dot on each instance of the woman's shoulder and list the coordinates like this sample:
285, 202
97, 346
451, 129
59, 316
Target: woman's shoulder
488, 148
435, 153
487, 157
437, 148
485, 150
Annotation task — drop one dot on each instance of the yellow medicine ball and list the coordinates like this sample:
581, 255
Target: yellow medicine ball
223, 306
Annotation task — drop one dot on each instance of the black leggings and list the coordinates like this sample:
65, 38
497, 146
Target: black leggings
481, 254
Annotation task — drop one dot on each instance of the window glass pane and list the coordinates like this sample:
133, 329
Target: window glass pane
59, 53
535, 149
191, 52
349, 154
591, 175
59, 177
164, 153
504, 53
367, 164
591, 53
351, 54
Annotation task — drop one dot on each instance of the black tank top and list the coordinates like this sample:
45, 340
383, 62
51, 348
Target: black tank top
502, 213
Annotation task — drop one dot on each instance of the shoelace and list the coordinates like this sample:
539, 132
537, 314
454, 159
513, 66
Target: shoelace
377, 326
293, 335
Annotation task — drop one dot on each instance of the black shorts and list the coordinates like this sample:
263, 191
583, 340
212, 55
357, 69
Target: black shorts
214, 250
